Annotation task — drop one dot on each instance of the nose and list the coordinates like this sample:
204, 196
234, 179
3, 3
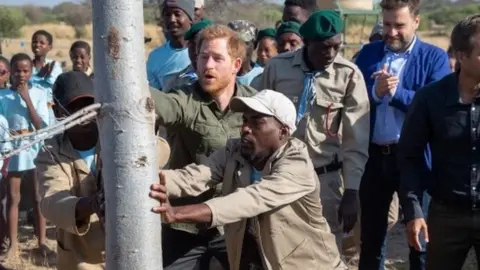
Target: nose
391, 31
245, 129
170, 18
209, 63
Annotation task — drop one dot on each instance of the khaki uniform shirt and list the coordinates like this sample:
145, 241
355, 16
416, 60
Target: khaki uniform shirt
64, 179
196, 128
285, 205
339, 121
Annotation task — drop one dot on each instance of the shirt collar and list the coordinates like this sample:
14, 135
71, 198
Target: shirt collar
298, 61
408, 51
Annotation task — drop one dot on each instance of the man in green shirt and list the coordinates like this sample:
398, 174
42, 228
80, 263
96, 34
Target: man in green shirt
200, 118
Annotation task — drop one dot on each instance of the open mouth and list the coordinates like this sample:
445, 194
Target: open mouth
209, 77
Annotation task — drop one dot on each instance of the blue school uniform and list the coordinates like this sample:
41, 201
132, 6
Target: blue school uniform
4, 134
14, 109
164, 62
46, 84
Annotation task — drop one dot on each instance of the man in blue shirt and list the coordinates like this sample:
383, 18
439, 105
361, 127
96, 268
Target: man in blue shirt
248, 33
393, 69
172, 57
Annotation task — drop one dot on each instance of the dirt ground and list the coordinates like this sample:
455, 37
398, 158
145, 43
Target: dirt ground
29, 259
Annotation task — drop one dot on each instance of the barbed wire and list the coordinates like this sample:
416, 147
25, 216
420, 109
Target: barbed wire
85, 114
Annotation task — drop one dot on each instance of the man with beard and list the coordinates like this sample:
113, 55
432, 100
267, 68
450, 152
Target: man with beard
394, 69
298, 10
332, 114
188, 76
70, 173
172, 57
270, 202
201, 121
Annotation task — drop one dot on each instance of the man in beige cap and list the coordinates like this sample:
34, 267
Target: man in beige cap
199, 10
270, 205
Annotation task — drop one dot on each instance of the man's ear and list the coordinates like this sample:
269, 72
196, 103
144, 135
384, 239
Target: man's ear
237, 64
284, 132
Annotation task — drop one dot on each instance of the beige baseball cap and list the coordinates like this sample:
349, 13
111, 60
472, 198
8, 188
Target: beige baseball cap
199, 3
268, 102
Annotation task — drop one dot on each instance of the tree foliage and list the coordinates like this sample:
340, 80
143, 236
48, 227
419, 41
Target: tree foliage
11, 20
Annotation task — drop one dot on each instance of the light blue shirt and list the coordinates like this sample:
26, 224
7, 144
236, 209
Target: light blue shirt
389, 120
46, 84
88, 157
248, 78
15, 111
164, 62
255, 176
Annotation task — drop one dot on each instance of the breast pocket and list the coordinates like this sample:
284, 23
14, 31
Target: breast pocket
325, 120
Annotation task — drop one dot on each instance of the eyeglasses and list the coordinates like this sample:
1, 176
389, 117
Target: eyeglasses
3, 72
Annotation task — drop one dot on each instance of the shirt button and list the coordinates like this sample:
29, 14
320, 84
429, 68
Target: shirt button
473, 109
474, 169
474, 148
473, 129
474, 188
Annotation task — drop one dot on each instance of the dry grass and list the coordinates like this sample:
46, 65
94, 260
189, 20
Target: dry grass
64, 36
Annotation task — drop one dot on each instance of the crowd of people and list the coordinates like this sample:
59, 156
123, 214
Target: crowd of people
267, 162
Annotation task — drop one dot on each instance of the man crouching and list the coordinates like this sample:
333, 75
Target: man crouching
270, 204
69, 171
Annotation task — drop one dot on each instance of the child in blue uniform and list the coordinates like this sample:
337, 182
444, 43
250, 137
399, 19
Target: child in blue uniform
25, 108
45, 71
4, 75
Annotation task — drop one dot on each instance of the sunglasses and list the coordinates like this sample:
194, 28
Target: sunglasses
3, 72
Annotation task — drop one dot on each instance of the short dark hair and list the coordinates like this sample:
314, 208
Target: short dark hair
20, 57
413, 5
80, 44
463, 34
450, 50
309, 5
45, 34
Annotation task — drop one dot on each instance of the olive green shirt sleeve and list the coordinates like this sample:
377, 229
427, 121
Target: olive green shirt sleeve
171, 108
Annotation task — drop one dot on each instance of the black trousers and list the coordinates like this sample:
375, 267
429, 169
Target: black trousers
186, 251
452, 232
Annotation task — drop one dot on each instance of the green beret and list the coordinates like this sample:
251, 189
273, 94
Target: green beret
196, 28
321, 25
267, 32
289, 27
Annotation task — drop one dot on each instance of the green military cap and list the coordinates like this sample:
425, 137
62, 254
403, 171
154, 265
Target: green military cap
196, 28
321, 25
289, 27
267, 32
